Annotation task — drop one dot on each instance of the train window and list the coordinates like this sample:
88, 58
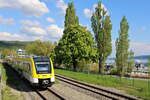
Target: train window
43, 68
26, 66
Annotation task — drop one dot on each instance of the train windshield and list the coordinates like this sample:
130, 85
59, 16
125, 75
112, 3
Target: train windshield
43, 67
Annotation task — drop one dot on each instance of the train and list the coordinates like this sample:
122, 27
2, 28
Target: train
38, 70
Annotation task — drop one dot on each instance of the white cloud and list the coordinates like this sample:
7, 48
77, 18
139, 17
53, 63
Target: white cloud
34, 8
6, 36
49, 19
8, 21
61, 4
140, 48
35, 29
88, 12
30, 23
12, 37
32, 28
55, 31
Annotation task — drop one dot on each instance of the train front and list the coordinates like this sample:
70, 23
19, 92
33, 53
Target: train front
43, 74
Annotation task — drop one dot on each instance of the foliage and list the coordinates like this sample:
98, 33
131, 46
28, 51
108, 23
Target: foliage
113, 71
8, 52
76, 44
122, 45
70, 17
131, 62
148, 65
40, 48
9, 80
101, 25
84, 65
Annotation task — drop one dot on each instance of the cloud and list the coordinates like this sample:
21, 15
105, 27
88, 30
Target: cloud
12, 37
61, 4
88, 12
6, 36
8, 21
55, 31
140, 48
30, 23
34, 8
50, 20
35, 29
32, 28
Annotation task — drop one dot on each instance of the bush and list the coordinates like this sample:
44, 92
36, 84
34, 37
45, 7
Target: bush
113, 71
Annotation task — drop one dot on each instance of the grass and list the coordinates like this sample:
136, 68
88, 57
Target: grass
134, 87
7, 91
8, 95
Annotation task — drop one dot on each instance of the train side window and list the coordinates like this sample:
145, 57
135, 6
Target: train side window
28, 64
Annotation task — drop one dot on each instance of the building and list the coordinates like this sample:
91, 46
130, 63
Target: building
21, 52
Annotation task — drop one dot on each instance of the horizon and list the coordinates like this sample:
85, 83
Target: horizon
44, 20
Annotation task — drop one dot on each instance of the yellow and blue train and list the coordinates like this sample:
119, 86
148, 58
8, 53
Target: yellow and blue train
38, 70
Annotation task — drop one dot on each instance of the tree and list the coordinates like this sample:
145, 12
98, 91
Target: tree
40, 48
101, 25
131, 62
76, 44
8, 52
70, 17
122, 45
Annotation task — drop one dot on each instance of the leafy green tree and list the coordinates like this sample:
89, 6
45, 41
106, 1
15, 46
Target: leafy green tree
76, 44
40, 48
131, 62
8, 52
101, 25
70, 17
122, 45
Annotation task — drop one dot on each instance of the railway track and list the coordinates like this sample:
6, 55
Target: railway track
96, 90
49, 94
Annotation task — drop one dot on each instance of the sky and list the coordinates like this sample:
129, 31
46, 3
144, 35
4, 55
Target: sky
29, 20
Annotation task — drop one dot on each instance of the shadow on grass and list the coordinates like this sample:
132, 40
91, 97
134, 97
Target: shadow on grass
14, 80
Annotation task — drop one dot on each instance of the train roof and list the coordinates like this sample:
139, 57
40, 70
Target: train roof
41, 58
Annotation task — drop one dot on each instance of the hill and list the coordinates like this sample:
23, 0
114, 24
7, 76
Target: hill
142, 57
13, 44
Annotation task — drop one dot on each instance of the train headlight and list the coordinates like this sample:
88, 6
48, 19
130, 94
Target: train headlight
52, 79
35, 80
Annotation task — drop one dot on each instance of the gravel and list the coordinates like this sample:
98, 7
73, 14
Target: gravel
72, 93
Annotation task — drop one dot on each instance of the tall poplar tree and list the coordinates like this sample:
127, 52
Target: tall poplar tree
70, 17
101, 25
122, 45
131, 62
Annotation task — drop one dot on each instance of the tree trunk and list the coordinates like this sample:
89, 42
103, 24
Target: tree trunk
101, 69
74, 64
